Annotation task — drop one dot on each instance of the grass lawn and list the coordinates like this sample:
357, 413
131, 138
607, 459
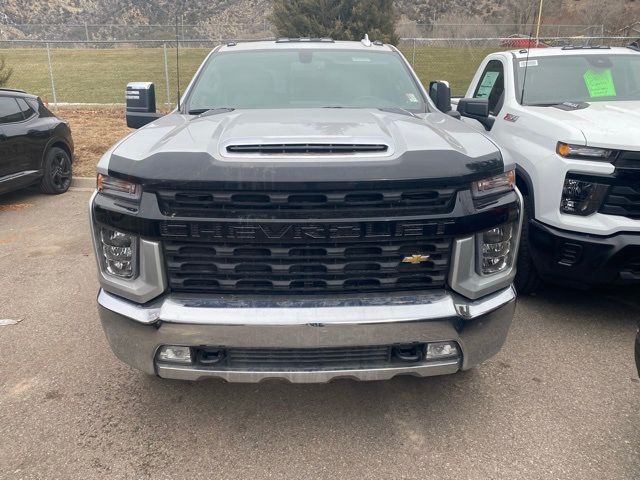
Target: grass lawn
92, 75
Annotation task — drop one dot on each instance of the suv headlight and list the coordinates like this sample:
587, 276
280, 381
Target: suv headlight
494, 185
495, 249
585, 153
116, 187
118, 253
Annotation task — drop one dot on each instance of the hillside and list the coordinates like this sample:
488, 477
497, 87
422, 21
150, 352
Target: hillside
250, 18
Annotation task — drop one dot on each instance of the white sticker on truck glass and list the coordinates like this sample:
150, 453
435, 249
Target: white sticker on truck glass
412, 98
528, 63
488, 81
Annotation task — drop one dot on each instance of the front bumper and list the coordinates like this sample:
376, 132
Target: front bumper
583, 260
136, 332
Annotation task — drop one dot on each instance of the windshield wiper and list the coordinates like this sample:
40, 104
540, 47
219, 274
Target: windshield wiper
400, 110
205, 112
550, 104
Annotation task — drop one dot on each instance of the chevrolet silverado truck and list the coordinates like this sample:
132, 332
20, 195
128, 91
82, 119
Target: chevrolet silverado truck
305, 214
570, 119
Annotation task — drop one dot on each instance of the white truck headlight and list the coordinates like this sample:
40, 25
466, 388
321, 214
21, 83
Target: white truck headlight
585, 153
495, 249
494, 185
118, 253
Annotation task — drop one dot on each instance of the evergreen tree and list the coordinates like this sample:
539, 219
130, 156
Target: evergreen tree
338, 19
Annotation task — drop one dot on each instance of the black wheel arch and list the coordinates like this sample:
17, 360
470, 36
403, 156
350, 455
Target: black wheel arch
525, 185
57, 142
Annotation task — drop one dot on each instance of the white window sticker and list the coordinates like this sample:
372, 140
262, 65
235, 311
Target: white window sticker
528, 63
487, 83
412, 98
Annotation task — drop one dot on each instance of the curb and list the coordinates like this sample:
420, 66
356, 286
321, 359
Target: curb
83, 182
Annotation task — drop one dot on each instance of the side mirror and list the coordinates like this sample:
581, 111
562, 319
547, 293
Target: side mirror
478, 109
141, 104
440, 93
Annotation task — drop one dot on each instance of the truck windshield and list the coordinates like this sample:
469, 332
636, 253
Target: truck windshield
578, 78
306, 78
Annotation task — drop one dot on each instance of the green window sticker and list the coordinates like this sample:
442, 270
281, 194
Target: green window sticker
599, 83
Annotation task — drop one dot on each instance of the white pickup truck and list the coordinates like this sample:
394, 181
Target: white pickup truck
570, 119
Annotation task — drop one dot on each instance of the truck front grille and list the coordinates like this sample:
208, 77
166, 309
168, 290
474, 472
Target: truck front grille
623, 198
309, 200
306, 268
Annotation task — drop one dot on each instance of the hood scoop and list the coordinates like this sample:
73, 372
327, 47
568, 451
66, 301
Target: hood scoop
306, 149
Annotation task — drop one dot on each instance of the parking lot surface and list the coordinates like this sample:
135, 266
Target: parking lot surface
560, 401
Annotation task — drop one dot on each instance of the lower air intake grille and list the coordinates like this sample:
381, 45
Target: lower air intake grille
308, 357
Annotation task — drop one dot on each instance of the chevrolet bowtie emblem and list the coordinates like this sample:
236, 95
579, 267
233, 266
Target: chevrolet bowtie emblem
415, 259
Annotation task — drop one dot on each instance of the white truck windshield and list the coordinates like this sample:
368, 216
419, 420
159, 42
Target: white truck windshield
578, 78
306, 78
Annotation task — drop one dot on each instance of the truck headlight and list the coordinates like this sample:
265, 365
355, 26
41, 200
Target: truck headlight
585, 153
581, 197
494, 185
495, 249
116, 187
118, 253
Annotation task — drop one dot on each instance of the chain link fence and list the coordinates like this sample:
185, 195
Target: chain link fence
96, 72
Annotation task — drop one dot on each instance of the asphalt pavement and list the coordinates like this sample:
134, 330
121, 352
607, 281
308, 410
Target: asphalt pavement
560, 401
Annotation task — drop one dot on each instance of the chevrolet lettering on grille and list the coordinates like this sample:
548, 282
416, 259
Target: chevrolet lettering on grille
304, 232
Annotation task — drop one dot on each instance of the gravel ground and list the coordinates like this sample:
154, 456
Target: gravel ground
560, 401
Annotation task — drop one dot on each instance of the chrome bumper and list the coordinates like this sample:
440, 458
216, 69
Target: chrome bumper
136, 332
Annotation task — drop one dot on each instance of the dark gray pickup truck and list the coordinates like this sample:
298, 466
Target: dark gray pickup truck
305, 214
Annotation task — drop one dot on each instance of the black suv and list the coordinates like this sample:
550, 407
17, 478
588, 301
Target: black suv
35, 145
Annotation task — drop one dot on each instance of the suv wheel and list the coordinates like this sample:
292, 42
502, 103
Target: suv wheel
57, 172
527, 279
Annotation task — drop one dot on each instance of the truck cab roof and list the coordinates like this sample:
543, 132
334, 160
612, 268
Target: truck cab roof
305, 43
571, 50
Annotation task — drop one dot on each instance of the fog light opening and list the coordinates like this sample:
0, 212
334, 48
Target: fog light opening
118, 253
496, 247
440, 350
174, 354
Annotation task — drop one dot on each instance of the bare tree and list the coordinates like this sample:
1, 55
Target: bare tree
612, 14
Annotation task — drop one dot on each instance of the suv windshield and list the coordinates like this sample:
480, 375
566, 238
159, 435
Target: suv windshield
306, 78
579, 78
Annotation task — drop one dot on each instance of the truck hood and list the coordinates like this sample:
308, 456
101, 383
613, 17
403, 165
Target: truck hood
603, 124
186, 148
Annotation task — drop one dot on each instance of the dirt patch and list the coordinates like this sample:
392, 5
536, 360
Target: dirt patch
94, 131
15, 206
